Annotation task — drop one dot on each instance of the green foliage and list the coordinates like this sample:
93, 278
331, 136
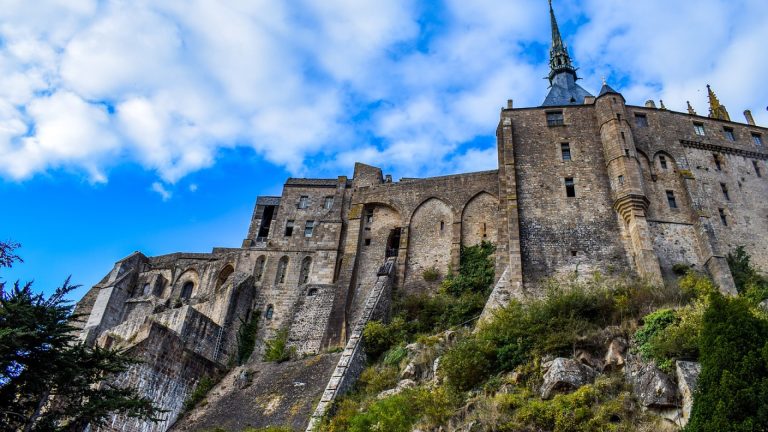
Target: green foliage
379, 337
669, 335
393, 414
246, 338
373, 380
49, 379
653, 324
395, 355
431, 274
603, 406
696, 285
681, 269
270, 429
732, 392
277, 349
476, 271
749, 283
198, 394
467, 364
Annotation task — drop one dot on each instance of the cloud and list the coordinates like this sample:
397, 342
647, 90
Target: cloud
414, 87
165, 194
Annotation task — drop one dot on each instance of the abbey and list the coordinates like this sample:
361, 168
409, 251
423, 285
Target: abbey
584, 183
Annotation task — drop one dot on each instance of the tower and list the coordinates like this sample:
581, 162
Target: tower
562, 74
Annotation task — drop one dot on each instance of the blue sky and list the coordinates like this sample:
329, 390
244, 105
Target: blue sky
153, 125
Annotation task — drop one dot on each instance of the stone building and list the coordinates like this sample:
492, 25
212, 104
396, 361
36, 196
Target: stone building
584, 183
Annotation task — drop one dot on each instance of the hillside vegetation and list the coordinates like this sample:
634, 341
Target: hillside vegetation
430, 371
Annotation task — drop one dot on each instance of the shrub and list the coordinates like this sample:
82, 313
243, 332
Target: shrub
374, 380
395, 355
467, 364
431, 274
246, 339
277, 349
749, 283
198, 394
681, 269
732, 391
476, 271
653, 324
393, 414
379, 337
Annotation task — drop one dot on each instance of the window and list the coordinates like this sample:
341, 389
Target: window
555, 118
724, 188
618, 117
574, 253
621, 180
641, 120
282, 265
369, 216
565, 148
699, 129
442, 226
308, 228
723, 219
303, 202
570, 187
312, 292
270, 311
757, 168
328, 203
671, 199
289, 227
728, 132
306, 263
718, 163
367, 242
758, 139
186, 290
663, 162
260, 261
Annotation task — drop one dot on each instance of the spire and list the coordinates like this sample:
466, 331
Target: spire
691, 111
716, 110
559, 60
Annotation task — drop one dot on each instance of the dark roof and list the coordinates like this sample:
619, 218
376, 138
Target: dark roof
607, 89
565, 91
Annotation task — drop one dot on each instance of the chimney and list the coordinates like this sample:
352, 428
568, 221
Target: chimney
748, 116
509, 103
650, 104
589, 100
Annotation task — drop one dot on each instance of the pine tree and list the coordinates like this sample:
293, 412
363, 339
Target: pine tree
49, 379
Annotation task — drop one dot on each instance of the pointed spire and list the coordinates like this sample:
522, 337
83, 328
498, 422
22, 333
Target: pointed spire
716, 110
559, 59
691, 111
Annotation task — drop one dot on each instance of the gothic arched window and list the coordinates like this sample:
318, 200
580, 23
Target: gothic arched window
270, 311
282, 265
186, 290
259, 268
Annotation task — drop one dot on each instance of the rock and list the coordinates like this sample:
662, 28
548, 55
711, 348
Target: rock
435, 369
401, 385
763, 305
652, 387
565, 375
586, 358
614, 358
687, 376
411, 372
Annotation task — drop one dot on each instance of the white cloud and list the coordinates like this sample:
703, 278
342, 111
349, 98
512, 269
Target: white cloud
88, 85
165, 194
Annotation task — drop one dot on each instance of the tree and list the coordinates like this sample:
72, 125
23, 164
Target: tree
49, 379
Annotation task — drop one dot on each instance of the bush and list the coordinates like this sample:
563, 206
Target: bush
374, 380
476, 271
395, 355
431, 274
246, 339
732, 391
198, 394
467, 364
671, 335
277, 349
749, 283
681, 269
393, 414
379, 337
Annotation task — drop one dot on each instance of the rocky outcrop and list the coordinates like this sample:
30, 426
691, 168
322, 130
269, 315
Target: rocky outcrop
614, 357
652, 387
687, 377
565, 375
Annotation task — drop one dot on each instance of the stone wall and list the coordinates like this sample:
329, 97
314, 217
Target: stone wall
308, 324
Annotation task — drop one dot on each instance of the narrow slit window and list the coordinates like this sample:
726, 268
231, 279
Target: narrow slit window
718, 162
698, 128
570, 187
367, 242
728, 132
757, 169
671, 199
641, 120
565, 149
269, 313
442, 226
369, 216
289, 227
724, 188
663, 162
621, 180
723, 218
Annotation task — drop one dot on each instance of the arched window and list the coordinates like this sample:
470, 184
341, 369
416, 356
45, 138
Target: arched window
259, 268
186, 290
146, 290
282, 265
270, 311
306, 263
224, 274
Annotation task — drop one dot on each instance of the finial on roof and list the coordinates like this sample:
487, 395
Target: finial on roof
661, 104
604, 81
716, 110
691, 111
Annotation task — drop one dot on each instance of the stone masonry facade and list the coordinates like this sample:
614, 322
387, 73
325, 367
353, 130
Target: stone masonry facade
584, 184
